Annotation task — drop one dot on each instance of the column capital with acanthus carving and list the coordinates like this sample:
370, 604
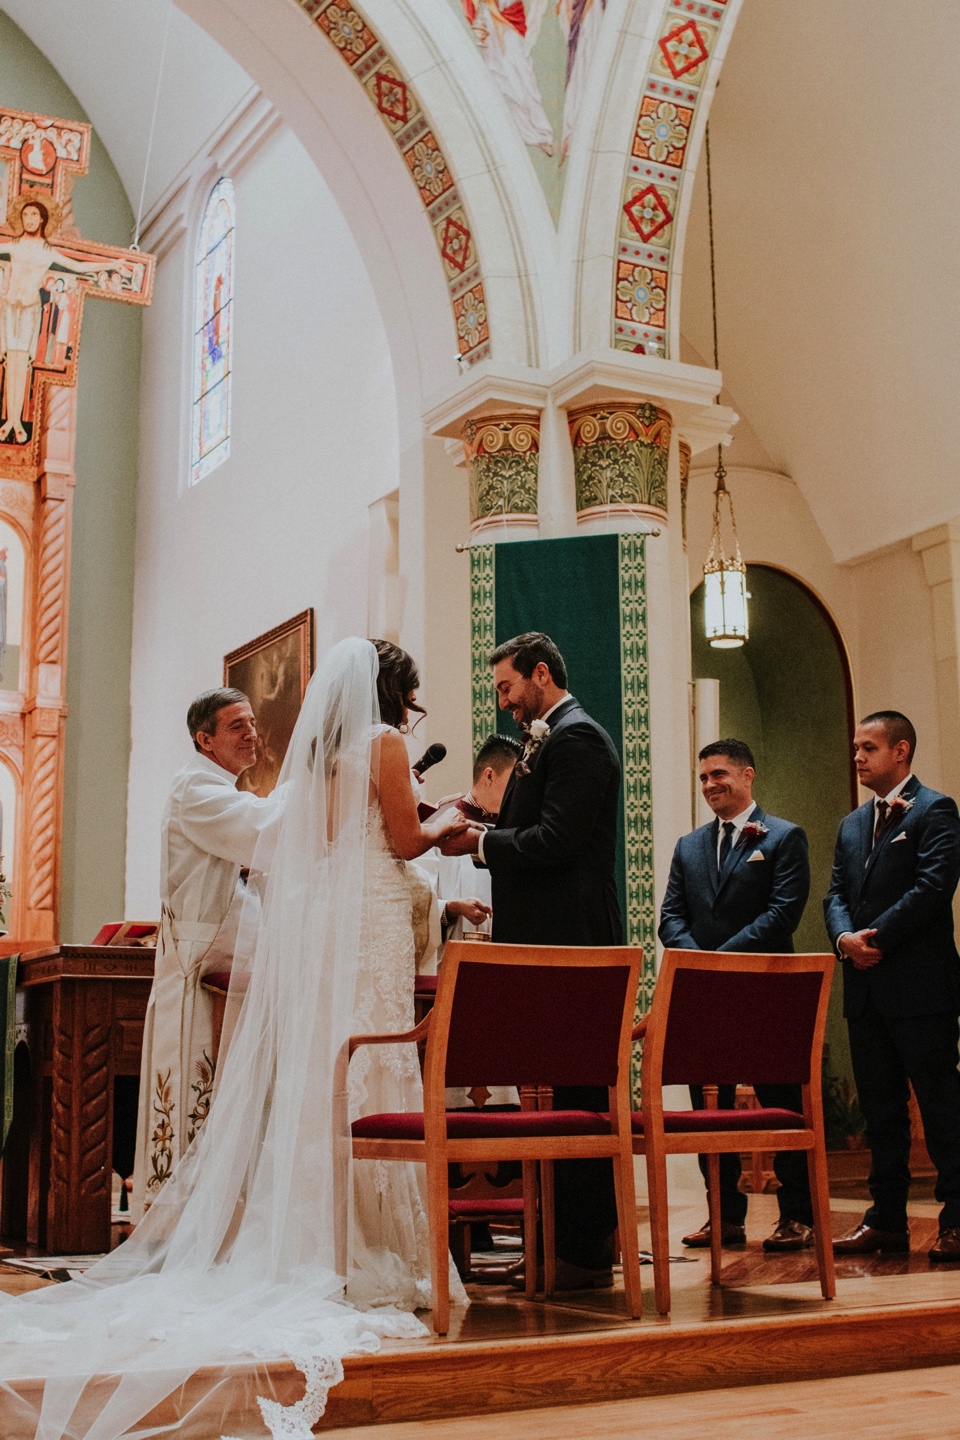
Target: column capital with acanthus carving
687, 392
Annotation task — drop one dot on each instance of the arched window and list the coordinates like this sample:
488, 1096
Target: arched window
213, 334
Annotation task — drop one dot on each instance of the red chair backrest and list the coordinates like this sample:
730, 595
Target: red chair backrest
546, 1023
740, 1027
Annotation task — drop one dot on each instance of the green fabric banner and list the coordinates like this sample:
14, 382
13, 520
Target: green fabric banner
8, 1036
589, 594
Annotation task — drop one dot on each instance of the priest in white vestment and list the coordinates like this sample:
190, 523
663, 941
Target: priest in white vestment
209, 833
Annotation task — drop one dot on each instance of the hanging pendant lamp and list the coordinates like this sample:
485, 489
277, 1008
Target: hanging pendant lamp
724, 578
726, 620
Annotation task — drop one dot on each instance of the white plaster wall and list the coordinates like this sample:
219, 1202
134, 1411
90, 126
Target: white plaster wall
881, 604
896, 667
281, 525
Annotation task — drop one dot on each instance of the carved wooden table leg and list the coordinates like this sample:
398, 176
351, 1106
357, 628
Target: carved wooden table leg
78, 1217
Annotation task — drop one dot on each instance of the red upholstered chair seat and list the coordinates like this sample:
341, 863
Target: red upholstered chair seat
678, 1122
425, 985
484, 1125
471, 1209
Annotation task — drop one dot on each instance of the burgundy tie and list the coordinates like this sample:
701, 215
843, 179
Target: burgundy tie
883, 819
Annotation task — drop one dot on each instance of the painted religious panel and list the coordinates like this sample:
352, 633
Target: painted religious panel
273, 671
539, 54
213, 324
46, 269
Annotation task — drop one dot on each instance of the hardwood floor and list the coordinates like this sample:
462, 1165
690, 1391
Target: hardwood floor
766, 1325
906, 1405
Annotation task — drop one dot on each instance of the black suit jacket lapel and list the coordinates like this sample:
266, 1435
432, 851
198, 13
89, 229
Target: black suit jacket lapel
709, 841
740, 848
908, 792
561, 715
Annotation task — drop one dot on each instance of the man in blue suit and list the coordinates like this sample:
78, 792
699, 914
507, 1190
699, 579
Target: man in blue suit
889, 915
740, 884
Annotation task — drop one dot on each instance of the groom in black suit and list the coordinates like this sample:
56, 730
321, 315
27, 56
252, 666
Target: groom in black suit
740, 884
889, 914
552, 863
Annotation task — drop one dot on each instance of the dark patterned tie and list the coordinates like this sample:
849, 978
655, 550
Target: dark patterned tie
726, 844
883, 820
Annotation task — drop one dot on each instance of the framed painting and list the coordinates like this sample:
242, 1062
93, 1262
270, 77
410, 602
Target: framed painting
273, 671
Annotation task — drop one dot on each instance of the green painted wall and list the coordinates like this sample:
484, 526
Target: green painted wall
101, 581
785, 693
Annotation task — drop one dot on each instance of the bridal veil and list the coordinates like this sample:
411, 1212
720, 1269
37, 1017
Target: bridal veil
244, 1254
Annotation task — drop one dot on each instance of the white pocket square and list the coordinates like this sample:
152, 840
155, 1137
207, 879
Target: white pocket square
755, 856
901, 836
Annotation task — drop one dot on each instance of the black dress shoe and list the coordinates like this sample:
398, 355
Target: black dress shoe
947, 1244
790, 1235
866, 1240
731, 1236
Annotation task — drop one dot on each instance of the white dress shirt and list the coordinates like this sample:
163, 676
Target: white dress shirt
738, 823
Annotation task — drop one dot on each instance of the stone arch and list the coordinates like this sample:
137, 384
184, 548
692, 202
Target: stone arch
631, 182
462, 263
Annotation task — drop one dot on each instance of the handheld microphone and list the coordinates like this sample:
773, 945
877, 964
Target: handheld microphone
431, 756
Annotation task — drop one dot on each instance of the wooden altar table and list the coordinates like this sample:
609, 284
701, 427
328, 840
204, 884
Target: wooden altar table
83, 1013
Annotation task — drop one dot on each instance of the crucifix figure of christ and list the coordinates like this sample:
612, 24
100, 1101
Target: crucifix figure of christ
46, 269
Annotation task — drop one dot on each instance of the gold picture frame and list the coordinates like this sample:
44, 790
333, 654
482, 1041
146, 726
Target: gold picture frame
273, 671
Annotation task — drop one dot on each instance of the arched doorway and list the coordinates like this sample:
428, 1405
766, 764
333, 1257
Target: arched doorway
788, 693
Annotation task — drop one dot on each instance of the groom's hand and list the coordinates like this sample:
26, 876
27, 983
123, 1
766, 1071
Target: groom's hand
464, 843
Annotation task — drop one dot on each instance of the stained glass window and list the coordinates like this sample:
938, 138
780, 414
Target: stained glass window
213, 334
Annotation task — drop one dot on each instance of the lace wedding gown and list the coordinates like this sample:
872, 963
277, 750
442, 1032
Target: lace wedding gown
267, 1242
391, 1247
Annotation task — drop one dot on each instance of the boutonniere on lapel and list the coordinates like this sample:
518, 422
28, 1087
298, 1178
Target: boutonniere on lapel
753, 830
899, 807
536, 734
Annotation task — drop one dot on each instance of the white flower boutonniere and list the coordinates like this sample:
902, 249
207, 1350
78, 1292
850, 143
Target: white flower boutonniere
536, 734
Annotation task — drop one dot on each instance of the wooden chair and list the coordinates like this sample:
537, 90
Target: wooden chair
719, 1019
527, 1015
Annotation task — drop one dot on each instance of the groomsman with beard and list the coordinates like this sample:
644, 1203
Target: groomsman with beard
552, 859
889, 915
740, 884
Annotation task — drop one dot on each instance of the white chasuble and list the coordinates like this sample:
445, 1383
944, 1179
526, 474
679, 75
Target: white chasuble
209, 833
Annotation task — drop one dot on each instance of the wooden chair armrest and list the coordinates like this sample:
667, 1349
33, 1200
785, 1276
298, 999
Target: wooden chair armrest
419, 1032
640, 1029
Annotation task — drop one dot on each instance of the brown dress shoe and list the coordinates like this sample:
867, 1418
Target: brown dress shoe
790, 1235
865, 1240
947, 1244
730, 1236
569, 1277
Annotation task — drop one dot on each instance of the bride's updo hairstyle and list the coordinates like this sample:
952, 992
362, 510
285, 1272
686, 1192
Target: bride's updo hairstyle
397, 679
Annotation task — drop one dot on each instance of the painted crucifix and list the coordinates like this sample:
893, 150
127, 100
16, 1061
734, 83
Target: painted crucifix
46, 270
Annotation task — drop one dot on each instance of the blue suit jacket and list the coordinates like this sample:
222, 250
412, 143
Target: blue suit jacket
754, 906
903, 888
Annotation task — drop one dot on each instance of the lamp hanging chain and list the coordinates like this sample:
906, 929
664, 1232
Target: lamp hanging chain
721, 492
153, 126
713, 263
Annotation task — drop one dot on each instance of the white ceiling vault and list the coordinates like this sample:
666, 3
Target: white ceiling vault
108, 52
837, 197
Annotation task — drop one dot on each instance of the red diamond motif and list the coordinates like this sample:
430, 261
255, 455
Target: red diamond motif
683, 49
393, 98
648, 213
455, 244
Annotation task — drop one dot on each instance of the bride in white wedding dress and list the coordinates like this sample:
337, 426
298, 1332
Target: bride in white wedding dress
268, 1242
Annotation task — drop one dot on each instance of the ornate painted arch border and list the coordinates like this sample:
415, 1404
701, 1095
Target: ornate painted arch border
400, 110
679, 79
